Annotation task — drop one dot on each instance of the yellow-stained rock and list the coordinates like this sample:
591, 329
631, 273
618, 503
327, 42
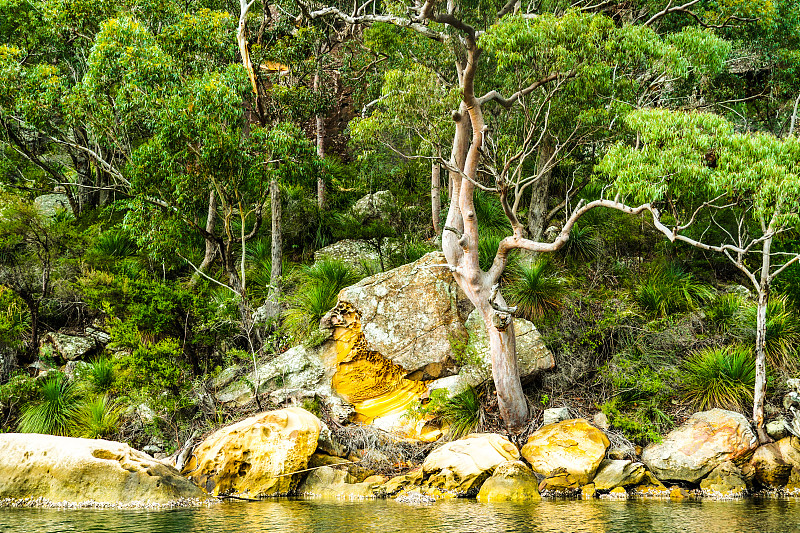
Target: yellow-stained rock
512, 481
254, 456
724, 482
574, 445
462, 465
588, 492
559, 480
773, 463
65, 469
650, 487
329, 482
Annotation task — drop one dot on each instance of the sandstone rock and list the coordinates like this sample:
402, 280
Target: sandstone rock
49, 204
650, 487
773, 463
65, 469
777, 429
618, 473
705, 441
461, 466
560, 481
618, 493
555, 415
411, 314
329, 482
512, 481
69, 347
573, 445
725, 481
254, 456
298, 367
225, 378
354, 252
600, 421
588, 492
377, 205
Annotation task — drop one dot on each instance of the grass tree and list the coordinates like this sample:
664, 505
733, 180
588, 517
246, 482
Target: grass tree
517, 65
719, 190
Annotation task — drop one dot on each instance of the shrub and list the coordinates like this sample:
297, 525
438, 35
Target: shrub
719, 377
158, 371
722, 312
461, 413
55, 411
783, 332
643, 423
101, 374
98, 418
316, 295
668, 289
535, 290
583, 244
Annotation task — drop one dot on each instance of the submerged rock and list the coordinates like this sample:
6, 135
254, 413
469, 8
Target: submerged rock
463, 465
258, 456
572, 449
512, 481
66, 469
705, 441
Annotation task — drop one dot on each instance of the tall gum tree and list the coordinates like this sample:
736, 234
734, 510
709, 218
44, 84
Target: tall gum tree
723, 191
513, 39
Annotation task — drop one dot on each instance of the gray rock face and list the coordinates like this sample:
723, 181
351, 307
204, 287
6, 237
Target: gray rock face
555, 414
377, 205
411, 314
354, 252
298, 367
532, 357
49, 204
705, 441
70, 347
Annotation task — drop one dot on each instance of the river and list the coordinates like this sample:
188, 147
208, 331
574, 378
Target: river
386, 516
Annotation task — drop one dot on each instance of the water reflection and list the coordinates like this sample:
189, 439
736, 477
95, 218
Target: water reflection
315, 516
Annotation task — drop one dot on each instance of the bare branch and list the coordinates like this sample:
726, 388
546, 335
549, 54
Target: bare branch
508, 102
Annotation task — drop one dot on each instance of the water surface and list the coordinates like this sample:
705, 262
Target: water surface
386, 516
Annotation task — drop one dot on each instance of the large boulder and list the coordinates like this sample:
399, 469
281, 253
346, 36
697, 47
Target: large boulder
258, 456
533, 357
777, 464
724, 482
69, 347
355, 253
461, 466
411, 315
512, 481
617, 473
705, 441
329, 482
573, 448
375, 206
86, 471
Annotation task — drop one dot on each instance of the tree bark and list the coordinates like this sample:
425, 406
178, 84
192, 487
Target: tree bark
537, 210
761, 343
276, 272
211, 246
436, 198
320, 134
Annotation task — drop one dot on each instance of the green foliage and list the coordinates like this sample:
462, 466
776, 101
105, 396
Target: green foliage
101, 374
536, 290
55, 411
158, 371
460, 413
98, 418
723, 312
668, 289
719, 377
643, 424
583, 245
15, 319
316, 295
783, 332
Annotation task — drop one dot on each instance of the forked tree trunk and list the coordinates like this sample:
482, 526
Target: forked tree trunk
211, 246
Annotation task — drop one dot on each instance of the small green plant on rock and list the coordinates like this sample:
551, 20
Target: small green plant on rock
460, 413
56, 409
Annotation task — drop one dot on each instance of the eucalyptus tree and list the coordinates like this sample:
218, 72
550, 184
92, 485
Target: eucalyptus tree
732, 193
505, 57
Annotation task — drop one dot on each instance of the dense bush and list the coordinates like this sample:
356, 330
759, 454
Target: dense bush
719, 377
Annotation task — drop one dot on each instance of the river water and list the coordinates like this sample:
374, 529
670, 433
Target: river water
386, 516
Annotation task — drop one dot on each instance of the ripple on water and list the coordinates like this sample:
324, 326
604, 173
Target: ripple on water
387, 516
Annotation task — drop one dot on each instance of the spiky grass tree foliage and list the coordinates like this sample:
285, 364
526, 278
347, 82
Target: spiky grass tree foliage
719, 377
669, 289
101, 374
536, 290
783, 332
316, 295
56, 410
98, 418
723, 311
461, 413
115, 243
583, 244
489, 211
